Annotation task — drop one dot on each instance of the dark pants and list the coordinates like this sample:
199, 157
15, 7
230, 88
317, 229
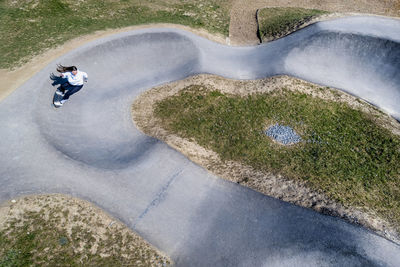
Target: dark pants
69, 89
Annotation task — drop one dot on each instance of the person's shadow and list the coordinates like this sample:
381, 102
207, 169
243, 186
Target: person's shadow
57, 80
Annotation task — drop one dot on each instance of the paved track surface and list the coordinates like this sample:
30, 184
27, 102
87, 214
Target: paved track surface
91, 149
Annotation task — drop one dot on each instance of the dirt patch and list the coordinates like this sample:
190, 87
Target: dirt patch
88, 229
243, 24
277, 186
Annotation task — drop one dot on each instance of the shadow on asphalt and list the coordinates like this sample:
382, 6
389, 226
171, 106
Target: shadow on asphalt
266, 230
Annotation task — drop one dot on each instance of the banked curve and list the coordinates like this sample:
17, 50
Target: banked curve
360, 55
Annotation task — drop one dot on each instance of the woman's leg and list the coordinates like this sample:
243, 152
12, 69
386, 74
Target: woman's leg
72, 89
65, 87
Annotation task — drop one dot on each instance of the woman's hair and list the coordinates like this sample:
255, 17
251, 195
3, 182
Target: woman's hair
61, 68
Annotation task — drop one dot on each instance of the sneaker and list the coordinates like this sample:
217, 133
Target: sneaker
58, 104
58, 92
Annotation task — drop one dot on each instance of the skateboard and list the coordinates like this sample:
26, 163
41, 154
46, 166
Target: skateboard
56, 99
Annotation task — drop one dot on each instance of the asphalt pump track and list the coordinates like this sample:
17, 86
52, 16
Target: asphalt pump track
90, 148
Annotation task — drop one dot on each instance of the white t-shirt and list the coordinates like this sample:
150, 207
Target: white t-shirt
77, 79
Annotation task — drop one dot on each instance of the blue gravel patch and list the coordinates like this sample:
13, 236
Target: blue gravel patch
283, 134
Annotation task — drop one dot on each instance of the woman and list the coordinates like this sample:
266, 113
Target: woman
75, 81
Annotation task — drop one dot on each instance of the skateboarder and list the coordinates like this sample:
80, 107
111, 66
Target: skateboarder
75, 81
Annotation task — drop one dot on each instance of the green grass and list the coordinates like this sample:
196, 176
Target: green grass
28, 28
277, 22
345, 154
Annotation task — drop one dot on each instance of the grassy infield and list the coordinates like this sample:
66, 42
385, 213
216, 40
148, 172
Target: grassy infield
346, 155
276, 22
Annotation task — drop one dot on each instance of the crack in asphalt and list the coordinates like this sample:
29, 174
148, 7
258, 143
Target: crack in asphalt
159, 197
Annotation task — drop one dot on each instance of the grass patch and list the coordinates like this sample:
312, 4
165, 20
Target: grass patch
278, 22
40, 231
28, 28
344, 153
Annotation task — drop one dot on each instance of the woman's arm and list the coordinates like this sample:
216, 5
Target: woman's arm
85, 76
